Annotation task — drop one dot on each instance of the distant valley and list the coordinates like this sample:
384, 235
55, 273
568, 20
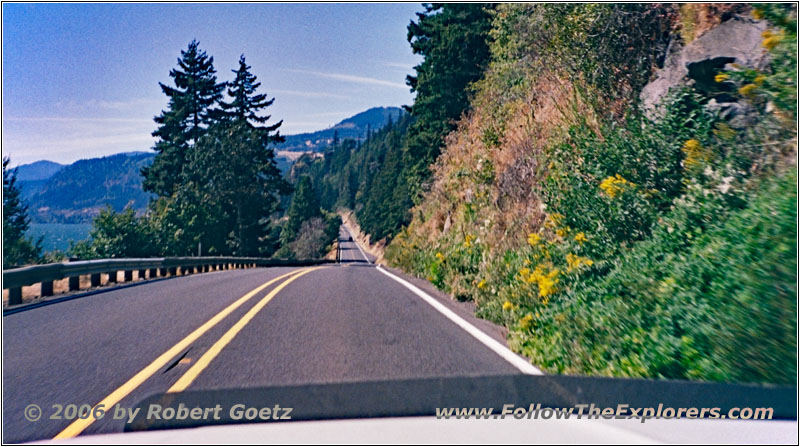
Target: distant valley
75, 193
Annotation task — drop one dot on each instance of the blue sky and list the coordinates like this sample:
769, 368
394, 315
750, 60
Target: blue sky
81, 80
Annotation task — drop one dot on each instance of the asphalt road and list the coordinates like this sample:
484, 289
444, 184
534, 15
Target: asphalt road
338, 323
349, 251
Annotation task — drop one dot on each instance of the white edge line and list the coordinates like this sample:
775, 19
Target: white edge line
509, 356
356, 244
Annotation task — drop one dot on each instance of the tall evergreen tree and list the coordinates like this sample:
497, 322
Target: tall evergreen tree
190, 111
239, 172
304, 206
452, 39
246, 104
17, 249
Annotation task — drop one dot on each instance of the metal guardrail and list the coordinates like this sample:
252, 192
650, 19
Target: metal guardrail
15, 279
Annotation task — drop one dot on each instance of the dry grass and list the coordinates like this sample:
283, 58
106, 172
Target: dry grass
697, 18
374, 248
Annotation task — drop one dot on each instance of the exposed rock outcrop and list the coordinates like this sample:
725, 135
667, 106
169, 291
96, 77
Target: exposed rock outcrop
737, 40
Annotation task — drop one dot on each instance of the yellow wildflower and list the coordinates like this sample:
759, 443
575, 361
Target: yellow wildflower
759, 80
553, 220
507, 305
440, 256
563, 231
771, 42
757, 14
534, 239
614, 186
525, 322
747, 89
721, 77
574, 262
547, 284
482, 284
695, 153
580, 237
468, 240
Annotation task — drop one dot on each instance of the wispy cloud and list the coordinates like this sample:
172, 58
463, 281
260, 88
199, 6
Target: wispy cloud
128, 105
399, 65
351, 78
307, 94
68, 138
61, 119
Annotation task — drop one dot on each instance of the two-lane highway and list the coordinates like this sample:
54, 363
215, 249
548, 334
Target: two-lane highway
236, 329
349, 250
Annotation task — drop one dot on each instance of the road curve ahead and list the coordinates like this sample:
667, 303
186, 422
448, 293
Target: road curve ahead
236, 329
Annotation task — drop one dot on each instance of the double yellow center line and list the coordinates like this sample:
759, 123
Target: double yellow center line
77, 426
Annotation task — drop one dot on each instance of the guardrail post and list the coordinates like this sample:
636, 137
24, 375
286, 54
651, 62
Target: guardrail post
14, 296
47, 288
173, 271
128, 275
95, 279
162, 271
112, 277
74, 283
153, 273
142, 273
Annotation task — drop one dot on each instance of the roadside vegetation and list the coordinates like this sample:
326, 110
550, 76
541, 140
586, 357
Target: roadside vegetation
612, 241
17, 248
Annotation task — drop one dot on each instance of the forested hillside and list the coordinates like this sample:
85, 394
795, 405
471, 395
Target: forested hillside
382, 178
356, 127
77, 192
368, 178
614, 183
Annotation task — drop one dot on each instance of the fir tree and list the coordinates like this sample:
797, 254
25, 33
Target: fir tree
246, 104
304, 206
17, 249
452, 39
240, 174
190, 111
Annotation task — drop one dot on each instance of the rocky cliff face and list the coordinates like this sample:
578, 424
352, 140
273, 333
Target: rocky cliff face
735, 41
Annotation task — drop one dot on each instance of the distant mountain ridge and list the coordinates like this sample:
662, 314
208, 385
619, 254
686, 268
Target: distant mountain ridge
354, 127
75, 193
39, 170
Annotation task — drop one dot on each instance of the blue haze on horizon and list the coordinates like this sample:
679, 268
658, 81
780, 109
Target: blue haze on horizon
81, 80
